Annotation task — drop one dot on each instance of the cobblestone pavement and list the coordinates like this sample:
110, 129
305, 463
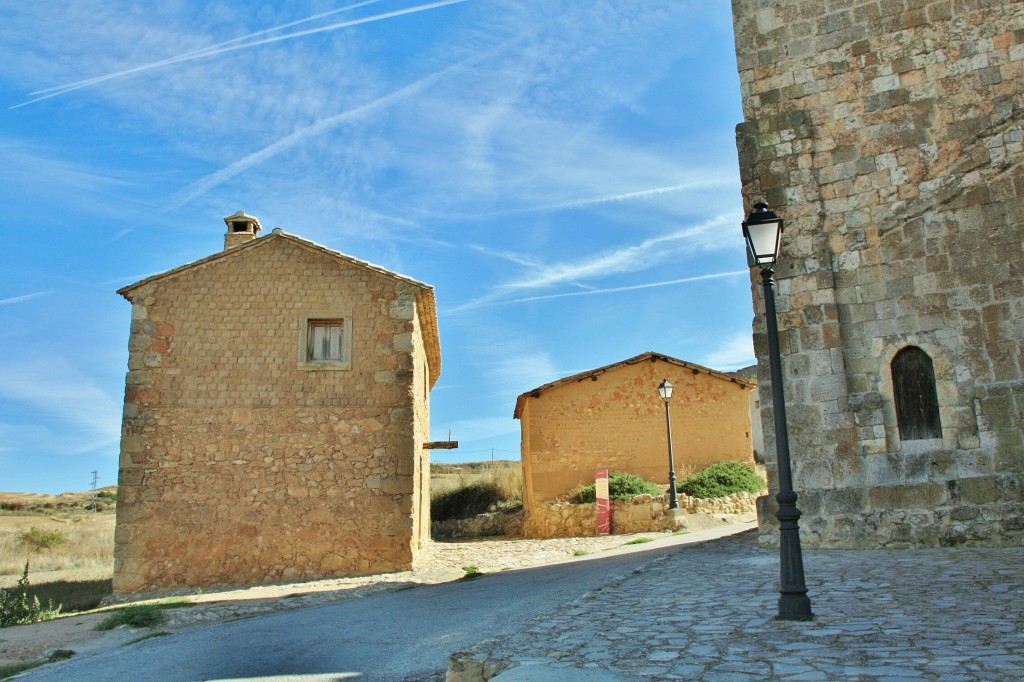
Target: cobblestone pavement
707, 613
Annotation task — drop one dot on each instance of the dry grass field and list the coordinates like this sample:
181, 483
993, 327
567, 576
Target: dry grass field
505, 474
68, 546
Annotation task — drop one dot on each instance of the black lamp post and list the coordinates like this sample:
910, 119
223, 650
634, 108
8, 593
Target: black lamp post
665, 391
763, 233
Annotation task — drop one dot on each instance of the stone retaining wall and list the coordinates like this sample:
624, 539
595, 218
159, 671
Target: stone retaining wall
481, 525
641, 514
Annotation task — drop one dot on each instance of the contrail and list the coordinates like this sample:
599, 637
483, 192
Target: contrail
594, 292
228, 46
197, 53
26, 297
209, 182
641, 194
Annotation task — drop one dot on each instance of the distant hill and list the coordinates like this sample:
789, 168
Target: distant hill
106, 498
749, 373
443, 468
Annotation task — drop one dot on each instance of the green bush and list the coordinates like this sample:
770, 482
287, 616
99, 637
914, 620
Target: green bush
722, 479
621, 486
37, 539
17, 608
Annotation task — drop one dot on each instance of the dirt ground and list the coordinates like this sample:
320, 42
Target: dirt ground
440, 562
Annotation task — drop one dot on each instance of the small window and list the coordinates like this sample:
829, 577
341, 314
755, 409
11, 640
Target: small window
917, 403
325, 341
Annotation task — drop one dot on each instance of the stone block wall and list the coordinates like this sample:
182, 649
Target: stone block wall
241, 464
889, 136
641, 514
482, 525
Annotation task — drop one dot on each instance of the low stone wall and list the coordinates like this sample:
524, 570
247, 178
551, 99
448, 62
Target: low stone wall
481, 525
641, 514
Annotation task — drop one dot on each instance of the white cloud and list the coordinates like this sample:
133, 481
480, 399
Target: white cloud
72, 414
733, 353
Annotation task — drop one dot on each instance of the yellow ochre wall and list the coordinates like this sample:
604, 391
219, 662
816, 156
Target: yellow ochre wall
616, 420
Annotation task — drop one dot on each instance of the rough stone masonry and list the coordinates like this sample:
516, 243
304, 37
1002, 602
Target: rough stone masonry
248, 458
888, 134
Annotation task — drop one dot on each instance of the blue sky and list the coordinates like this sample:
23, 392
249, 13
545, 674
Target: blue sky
563, 172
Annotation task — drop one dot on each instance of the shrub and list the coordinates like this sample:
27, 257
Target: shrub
141, 616
485, 489
722, 479
16, 608
465, 502
621, 486
37, 539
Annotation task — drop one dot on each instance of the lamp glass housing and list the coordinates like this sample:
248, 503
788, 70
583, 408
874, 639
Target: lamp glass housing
763, 232
665, 390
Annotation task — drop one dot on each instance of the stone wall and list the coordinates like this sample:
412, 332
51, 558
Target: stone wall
242, 464
642, 514
889, 136
481, 525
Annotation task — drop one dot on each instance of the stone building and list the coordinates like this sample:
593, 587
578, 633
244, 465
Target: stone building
888, 134
612, 417
276, 405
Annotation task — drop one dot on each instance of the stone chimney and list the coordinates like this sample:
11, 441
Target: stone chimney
241, 228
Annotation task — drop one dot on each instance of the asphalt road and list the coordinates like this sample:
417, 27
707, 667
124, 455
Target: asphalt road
405, 635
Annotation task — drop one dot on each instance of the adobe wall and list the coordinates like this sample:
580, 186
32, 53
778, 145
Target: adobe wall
617, 421
889, 134
237, 466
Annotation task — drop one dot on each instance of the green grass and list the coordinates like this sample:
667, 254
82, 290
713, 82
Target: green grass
472, 572
9, 671
637, 541
150, 635
580, 552
142, 615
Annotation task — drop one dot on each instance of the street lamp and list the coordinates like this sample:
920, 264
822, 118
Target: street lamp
665, 391
763, 233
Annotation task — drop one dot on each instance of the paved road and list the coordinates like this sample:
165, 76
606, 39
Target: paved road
397, 636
